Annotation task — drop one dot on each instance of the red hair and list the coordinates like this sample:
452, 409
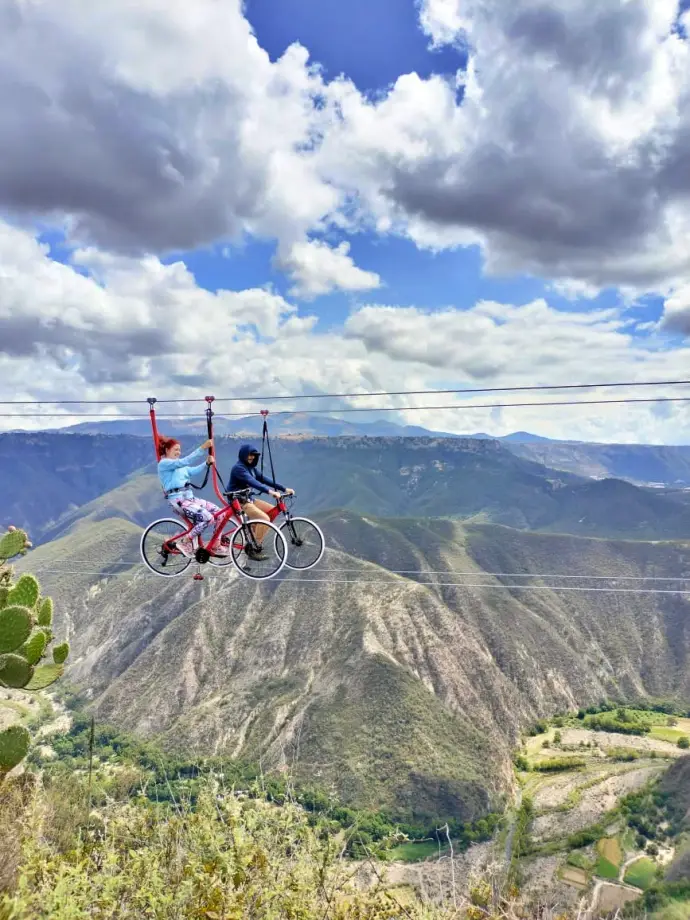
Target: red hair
164, 445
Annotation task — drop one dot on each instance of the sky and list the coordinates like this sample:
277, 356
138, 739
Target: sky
316, 197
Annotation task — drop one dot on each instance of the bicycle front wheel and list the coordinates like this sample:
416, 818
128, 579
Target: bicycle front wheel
305, 543
258, 550
158, 549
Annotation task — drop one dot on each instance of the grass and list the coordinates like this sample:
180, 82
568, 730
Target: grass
662, 733
579, 860
628, 840
416, 851
641, 873
610, 849
606, 869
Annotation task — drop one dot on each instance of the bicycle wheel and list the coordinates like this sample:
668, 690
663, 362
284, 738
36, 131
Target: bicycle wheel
304, 541
274, 550
169, 561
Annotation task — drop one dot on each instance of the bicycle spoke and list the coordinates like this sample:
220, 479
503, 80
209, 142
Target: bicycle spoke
158, 553
258, 550
305, 543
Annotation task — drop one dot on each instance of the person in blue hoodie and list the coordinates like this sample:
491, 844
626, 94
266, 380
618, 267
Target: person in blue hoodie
245, 475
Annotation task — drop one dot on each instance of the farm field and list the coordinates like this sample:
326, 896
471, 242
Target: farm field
579, 833
641, 873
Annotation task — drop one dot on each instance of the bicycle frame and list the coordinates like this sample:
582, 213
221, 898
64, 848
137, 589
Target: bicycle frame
231, 510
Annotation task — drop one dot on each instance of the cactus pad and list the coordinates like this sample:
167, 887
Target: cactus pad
15, 671
14, 745
44, 676
12, 544
45, 612
15, 628
35, 647
25, 592
60, 653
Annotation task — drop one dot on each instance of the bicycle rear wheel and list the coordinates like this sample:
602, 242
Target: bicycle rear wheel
158, 549
252, 535
305, 543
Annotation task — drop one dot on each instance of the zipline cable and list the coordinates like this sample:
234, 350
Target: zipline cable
340, 410
508, 389
418, 584
460, 574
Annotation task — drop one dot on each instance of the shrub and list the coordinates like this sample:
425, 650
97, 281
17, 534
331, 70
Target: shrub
684, 742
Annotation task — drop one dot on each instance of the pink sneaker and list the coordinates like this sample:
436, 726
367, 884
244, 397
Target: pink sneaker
186, 547
223, 547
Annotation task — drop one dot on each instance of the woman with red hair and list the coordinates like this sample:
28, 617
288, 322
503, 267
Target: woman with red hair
175, 474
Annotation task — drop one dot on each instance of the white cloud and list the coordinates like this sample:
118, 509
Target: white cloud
161, 126
133, 327
316, 269
676, 316
156, 125
567, 158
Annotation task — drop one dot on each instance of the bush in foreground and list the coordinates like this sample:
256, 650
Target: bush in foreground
228, 858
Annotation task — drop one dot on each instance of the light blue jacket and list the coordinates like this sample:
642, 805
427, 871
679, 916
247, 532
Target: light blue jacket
174, 474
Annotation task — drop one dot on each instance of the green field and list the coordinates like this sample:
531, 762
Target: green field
579, 860
416, 851
641, 873
663, 733
606, 869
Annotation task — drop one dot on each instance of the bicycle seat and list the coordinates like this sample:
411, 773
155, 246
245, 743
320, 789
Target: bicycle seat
237, 493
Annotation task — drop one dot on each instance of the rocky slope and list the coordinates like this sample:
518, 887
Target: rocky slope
407, 690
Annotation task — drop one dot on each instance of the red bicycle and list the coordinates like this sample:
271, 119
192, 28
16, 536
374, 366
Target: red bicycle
303, 537
233, 534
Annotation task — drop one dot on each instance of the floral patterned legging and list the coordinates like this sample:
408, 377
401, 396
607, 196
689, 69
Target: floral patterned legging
197, 511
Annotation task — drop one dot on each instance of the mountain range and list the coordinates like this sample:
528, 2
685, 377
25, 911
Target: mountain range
402, 670
641, 464
49, 480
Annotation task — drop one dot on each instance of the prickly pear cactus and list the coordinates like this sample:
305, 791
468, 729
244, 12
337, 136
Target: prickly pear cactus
15, 671
13, 543
60, 653
14, 745
45, 612
15, 627
33, 650
26, 633
25, 593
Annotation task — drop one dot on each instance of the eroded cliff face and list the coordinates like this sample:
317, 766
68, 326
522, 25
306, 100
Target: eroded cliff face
407, 690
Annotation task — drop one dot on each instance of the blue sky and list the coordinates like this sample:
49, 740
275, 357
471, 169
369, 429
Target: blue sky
370, 41
395, 225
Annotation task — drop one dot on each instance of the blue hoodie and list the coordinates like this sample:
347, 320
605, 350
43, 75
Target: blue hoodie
244, 476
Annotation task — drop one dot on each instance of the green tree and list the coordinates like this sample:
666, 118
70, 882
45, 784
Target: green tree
26, 620
684, 742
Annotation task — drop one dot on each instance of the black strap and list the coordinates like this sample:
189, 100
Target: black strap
266, 445
209, 432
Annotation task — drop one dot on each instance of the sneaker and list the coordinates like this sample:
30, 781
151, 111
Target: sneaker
256, 555
186, 547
